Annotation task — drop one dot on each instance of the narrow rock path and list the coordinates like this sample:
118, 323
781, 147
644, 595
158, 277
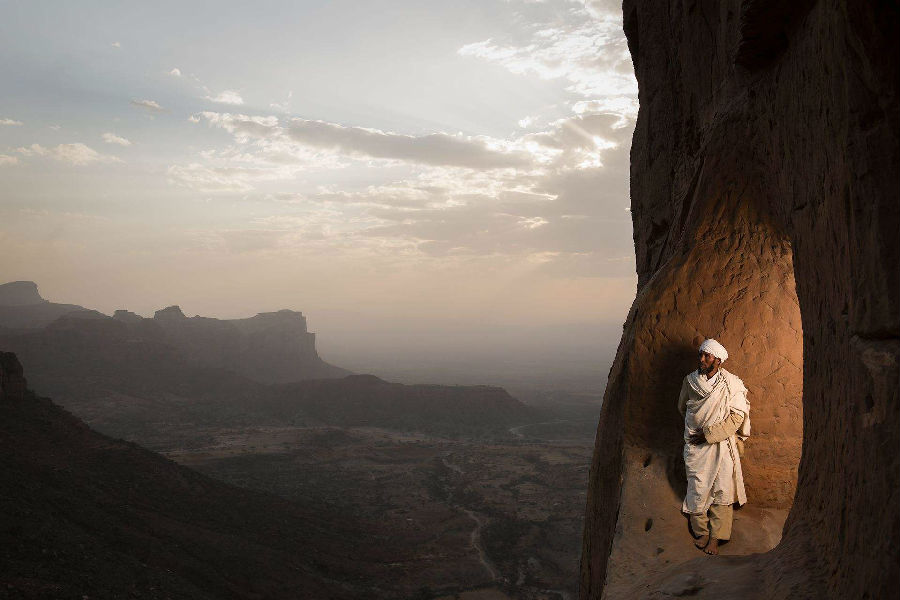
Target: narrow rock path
517, 431
475, 543
480, 522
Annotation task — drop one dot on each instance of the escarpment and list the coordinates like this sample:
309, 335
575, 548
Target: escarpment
766, 215
270, 347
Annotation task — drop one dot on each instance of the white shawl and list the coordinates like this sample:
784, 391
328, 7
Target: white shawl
714, 473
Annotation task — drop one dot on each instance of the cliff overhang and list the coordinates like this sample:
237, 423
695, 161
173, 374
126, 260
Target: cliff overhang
766, 214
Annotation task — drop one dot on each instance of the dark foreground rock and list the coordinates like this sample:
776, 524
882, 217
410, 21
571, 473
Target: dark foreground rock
86, 516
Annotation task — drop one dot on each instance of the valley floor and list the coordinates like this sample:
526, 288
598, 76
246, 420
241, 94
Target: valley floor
479, 520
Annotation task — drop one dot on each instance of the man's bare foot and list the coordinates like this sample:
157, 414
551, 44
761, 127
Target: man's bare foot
712, 547
701, 541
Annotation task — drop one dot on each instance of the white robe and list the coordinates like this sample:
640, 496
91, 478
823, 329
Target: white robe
714, 473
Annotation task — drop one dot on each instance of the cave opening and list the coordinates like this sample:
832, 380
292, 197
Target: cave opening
734, 281
738, 286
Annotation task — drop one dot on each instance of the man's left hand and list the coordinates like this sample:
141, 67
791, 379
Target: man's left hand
697, 439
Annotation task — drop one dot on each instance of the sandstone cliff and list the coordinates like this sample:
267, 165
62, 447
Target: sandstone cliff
766, 215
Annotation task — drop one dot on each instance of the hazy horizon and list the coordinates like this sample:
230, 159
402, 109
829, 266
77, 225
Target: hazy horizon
435, 187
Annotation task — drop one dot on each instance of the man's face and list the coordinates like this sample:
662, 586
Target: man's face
707, 362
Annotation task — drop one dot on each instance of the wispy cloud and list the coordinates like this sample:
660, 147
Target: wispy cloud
176, 72
11, 122
283, 106
209, 179
476, 152
586, 47
244, 127
569, 184
111, 138
431, 149
227, 97
116, 44
151, 106
74, 154
6, 160
228, 175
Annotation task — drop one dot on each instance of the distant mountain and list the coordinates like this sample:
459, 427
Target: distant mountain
21, 307
271, 347
18, 293
86, 516
126, 379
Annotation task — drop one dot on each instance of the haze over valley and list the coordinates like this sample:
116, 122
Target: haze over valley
457, 487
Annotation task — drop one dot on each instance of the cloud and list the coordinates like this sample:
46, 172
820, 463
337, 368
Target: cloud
283, 106
566, 211
228, 176
74, 154
227, 97
6, 160
548, 195
148, 105
208, 179
244, 127
583, 45
10, 122
431, 149
261, 153
116, 45
301, 140
176, 72
111, 138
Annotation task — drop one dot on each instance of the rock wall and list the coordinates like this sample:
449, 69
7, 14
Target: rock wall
764, 195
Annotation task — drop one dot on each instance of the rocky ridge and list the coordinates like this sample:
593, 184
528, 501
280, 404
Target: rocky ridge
273, 347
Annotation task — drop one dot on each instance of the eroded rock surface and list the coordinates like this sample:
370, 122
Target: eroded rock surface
763, 183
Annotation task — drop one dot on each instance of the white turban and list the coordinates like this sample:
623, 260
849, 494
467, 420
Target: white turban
715, 348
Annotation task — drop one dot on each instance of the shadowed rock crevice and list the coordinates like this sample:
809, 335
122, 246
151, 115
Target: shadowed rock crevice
763, 183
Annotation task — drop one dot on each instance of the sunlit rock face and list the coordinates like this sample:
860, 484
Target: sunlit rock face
763, 183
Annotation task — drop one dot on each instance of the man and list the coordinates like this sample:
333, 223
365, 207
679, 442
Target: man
716, 415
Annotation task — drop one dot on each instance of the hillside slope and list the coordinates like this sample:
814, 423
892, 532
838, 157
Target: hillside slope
83, 515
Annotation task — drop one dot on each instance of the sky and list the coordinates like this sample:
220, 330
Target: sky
428, 182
